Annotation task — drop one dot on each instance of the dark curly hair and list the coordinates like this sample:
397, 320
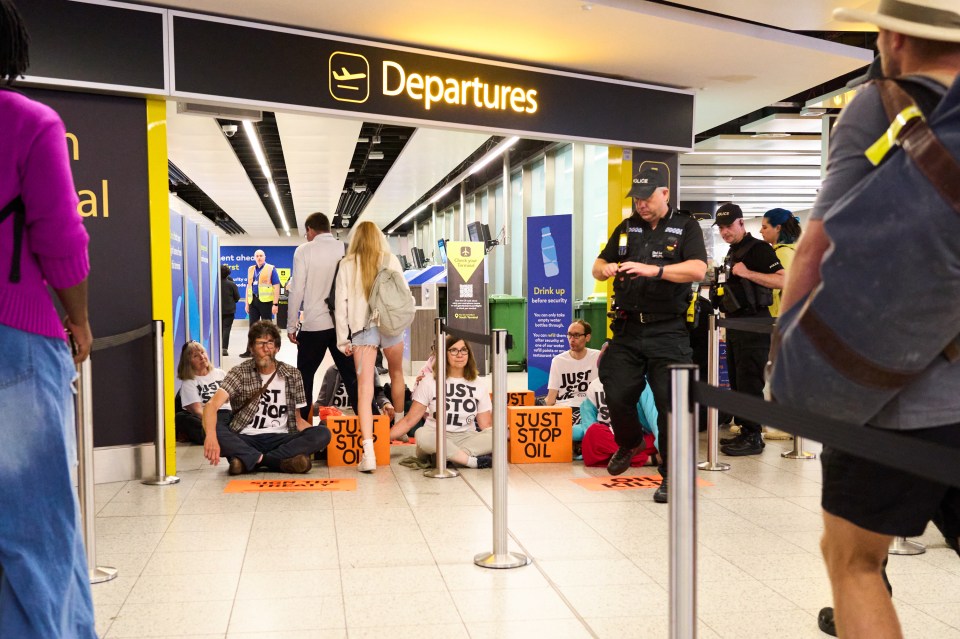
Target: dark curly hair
14, 43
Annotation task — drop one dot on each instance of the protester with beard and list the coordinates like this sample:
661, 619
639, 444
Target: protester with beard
266, 429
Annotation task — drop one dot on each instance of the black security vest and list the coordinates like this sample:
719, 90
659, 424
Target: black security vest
752, 298
660, 247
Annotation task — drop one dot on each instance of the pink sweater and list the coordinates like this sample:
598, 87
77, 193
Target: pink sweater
34, 164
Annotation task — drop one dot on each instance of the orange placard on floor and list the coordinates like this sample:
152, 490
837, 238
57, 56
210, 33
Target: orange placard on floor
626, 482
540, 434
521, 398
346, 444
288, 485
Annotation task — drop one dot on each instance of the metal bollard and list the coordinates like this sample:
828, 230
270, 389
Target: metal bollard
713, 378
797, 452
440, 372
683, 504
161, 478
904, 546
83, 402
500, 557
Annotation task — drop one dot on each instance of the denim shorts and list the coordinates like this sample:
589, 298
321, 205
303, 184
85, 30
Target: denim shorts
371, 337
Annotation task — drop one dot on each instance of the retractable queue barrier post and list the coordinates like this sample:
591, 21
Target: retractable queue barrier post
683, 503
500, 557
798, 452
83, 403
904, 546
713, 378
161, 478
440, 372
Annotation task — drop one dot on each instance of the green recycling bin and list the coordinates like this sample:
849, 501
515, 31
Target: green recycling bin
510, 313
593, 310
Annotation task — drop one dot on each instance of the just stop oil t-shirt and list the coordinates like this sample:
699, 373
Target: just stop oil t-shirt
464, 401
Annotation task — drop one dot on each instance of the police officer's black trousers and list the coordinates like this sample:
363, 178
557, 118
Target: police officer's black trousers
747, 354
312, 347
638, 354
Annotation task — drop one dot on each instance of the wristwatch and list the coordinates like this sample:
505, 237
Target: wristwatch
659, 274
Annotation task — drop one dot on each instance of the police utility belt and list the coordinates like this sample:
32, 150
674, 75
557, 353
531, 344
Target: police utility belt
641, 318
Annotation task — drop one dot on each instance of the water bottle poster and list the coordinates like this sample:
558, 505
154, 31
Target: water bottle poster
549, 294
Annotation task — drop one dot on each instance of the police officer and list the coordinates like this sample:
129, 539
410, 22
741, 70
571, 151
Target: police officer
653, 257
752, 270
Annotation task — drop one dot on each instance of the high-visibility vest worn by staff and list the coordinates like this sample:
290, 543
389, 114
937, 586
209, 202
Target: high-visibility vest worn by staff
264, 286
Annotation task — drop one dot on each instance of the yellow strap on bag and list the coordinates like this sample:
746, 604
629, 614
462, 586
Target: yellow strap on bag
879, 149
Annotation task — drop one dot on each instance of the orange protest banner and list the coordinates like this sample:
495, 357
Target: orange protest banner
519, 398
626, 482
540, 434
289, 485
346, 444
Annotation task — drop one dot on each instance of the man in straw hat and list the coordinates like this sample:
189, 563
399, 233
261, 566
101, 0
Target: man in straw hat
865, 505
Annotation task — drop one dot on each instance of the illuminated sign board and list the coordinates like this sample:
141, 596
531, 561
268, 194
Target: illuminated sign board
234, 60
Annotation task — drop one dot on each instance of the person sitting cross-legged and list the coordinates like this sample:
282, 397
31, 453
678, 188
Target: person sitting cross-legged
266, 429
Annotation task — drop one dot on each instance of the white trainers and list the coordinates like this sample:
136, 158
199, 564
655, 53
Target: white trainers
368, 463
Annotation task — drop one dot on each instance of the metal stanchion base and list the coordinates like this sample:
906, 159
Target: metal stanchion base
714, 466
161, 481
506, 560
795, 454
902, 546
101, 574
437, 474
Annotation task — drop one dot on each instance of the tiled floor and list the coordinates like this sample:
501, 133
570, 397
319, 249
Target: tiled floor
395, 558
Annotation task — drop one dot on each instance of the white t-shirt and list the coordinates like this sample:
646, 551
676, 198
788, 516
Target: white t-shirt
598, 397
570, 377
271, 415
201, 389
464, 401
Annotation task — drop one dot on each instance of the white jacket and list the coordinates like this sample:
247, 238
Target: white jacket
352, 307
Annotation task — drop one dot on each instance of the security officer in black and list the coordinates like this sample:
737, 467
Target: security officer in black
653, 256
752, 270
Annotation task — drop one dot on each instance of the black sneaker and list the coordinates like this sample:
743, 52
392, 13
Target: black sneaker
246, 354
726, 441
621, 459
751, 444
484, 461
661, 495
826, 622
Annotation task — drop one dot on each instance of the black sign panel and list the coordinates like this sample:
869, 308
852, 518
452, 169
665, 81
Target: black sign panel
82, 42
240, 61
107, 142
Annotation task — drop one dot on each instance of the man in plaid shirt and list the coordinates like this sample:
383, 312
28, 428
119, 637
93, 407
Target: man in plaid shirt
267, 431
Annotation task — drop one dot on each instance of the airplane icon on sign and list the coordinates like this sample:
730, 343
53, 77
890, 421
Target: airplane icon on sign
346, 76
349, 77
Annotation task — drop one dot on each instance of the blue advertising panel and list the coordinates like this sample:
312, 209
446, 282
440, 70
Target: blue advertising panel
549, 301
215, 339
176, 279
240, 259
191, 263
206, 290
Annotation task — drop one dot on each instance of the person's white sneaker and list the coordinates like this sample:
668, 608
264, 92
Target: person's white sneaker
368, 463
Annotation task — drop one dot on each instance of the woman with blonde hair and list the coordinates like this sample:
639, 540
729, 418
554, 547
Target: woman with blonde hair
200, 381
360, 337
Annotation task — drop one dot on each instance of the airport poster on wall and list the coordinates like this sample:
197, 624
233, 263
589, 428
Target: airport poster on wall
549, 287
176, 279
240, 259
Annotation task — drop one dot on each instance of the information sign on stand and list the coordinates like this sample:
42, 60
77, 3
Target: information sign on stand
466, 293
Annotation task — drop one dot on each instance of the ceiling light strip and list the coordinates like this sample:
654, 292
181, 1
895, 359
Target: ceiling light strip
254, 139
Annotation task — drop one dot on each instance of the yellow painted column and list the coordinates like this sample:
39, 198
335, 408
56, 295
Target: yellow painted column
619, 180
161, 284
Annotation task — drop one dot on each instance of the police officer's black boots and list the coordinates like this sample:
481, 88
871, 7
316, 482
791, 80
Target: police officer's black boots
749, 444
620, 461
662, 491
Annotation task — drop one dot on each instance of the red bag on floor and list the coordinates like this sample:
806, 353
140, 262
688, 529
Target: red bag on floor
599, 446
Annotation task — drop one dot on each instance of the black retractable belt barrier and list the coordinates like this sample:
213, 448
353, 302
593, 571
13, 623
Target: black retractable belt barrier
467, 336
890, 448
103, 343
749, 325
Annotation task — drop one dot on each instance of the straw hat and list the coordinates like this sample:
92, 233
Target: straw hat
930, 19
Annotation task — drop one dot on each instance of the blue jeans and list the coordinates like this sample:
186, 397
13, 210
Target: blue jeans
45, 586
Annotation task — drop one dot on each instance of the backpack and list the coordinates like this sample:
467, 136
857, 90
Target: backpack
15, 209
391, 303
875, 324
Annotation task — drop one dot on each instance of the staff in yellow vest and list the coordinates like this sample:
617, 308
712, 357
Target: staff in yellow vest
263, 291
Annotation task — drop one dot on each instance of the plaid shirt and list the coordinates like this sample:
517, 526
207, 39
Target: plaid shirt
244, 380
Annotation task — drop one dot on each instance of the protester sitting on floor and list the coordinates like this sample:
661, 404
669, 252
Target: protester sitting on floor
333, 392
572, 371
598, 444
266, 429
200, 381
469, 436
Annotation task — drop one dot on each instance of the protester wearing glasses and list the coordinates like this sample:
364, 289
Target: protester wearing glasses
469, 437
267, 428
200, 381
572, 371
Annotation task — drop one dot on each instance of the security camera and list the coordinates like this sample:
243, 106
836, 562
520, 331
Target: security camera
229, 130
345, 222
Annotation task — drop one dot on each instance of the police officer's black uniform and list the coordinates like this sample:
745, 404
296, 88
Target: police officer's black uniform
747, 352
649, 329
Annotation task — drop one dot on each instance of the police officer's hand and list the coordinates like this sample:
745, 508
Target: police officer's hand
740, 270
609, 270
638, 269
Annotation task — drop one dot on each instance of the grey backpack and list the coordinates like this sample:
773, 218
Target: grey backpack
391, 303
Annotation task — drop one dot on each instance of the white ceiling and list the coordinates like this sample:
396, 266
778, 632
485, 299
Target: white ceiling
735, 68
